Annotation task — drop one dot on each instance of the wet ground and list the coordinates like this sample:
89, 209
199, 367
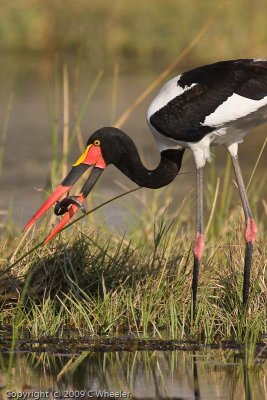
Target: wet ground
128, 343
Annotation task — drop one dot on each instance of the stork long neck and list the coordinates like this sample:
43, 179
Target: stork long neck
166, 171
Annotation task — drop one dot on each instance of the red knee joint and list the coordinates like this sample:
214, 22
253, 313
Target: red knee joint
199, 246
251, 230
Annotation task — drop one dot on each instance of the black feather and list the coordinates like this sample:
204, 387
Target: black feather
182, 118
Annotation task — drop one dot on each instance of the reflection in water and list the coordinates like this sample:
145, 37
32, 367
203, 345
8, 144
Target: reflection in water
195, 377
207, 374
247, 385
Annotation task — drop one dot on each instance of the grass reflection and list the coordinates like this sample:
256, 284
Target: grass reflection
199, 374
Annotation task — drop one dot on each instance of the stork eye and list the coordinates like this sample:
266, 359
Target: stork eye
97, 142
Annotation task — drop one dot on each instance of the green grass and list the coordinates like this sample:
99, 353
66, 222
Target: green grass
102, 283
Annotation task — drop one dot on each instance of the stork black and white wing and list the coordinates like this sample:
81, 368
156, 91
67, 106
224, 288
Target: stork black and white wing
204, 99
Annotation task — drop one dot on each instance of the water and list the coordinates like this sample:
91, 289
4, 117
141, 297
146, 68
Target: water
206, 375
28, 152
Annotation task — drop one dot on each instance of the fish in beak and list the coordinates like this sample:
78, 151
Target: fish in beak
92, 157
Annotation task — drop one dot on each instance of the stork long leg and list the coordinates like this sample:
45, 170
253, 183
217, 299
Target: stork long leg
199, 240
250, 231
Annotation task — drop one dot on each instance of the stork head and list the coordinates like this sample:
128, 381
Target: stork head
103, 147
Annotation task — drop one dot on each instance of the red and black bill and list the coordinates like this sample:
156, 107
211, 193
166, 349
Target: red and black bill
92, 157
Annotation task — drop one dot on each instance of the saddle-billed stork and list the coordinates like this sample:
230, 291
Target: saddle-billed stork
216, 104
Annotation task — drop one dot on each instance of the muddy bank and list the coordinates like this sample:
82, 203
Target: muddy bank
113, 344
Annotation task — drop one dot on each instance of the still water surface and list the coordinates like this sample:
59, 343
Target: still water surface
206, 375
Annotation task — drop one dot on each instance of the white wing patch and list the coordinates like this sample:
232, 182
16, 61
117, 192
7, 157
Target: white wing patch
233, 108
168, 92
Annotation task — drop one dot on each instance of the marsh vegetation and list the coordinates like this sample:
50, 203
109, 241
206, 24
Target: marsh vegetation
125, 269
